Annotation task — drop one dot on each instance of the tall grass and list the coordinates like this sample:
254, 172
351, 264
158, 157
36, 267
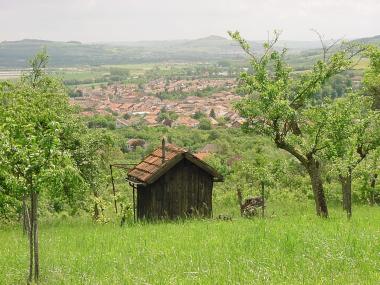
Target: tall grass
290, 246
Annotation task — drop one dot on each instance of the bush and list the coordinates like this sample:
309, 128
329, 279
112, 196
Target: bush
102, 122
204, 124
121, 72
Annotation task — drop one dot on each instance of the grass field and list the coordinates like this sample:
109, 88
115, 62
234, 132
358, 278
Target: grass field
289, 246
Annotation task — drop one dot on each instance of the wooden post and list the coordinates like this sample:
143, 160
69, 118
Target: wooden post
163, 150
113, 189
134, 207
263, 198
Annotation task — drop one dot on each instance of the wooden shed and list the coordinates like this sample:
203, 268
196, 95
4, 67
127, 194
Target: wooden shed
171, 182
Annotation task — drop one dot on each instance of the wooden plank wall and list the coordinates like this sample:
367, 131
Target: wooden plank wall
183, 191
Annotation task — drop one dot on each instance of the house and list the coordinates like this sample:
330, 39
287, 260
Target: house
151, 119
211, 148
167, 122
171, 182
121, 123
202, 155
186, 121
134, 143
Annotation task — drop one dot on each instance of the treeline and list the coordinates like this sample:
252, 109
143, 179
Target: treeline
116, 74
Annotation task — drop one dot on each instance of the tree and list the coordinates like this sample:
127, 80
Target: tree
374, 174
33, 116
166, 114
212, 114
102, 121
260, 171
198, 115
204, 124
91, 156
283, 106
117, 74
371, 83
371, 79
352, 133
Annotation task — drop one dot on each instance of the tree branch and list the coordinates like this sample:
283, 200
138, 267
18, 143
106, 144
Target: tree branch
325, 47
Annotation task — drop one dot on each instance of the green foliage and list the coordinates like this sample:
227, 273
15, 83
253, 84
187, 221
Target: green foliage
44, 148
127, 116
296, 106
204, 124
121, 72
33, 117
372, 76
212, 114
352, 131
165, 114
75, 93
199, 115
102, 121
337, 86
286, 108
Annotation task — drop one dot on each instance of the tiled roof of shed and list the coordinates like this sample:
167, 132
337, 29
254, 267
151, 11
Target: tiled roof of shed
152, 166
153, 162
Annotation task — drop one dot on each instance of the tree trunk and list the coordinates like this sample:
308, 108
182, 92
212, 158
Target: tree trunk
373, 185
96, 206
96, 211
240, 199
31, 230
346, 182
314, 170
35, 236
313, 167
113, 190
25, 217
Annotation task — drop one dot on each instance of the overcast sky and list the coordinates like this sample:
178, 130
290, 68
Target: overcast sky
132, 20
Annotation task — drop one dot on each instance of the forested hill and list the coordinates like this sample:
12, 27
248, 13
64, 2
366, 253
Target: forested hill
14, 54
370, 40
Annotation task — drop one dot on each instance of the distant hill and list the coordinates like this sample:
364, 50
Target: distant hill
371, 40
15, 54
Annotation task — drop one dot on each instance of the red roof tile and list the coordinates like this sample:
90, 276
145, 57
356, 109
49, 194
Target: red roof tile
152, 166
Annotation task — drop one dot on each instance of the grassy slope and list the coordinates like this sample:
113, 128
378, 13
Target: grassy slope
291, 247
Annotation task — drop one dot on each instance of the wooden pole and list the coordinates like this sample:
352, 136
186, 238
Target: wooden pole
134, 207
113, 189
163, 150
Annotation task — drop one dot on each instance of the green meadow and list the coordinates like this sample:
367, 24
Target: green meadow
289, 246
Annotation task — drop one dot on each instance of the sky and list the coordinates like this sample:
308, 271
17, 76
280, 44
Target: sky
134, 20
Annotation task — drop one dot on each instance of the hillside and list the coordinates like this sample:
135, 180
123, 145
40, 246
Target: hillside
375, 40
14, 54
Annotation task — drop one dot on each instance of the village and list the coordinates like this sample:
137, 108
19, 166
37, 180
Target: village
131, 104
190, 142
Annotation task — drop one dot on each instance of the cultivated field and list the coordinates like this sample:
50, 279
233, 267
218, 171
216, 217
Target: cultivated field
290, 246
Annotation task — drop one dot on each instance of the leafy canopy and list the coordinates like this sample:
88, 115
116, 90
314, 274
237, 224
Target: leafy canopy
282, 104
